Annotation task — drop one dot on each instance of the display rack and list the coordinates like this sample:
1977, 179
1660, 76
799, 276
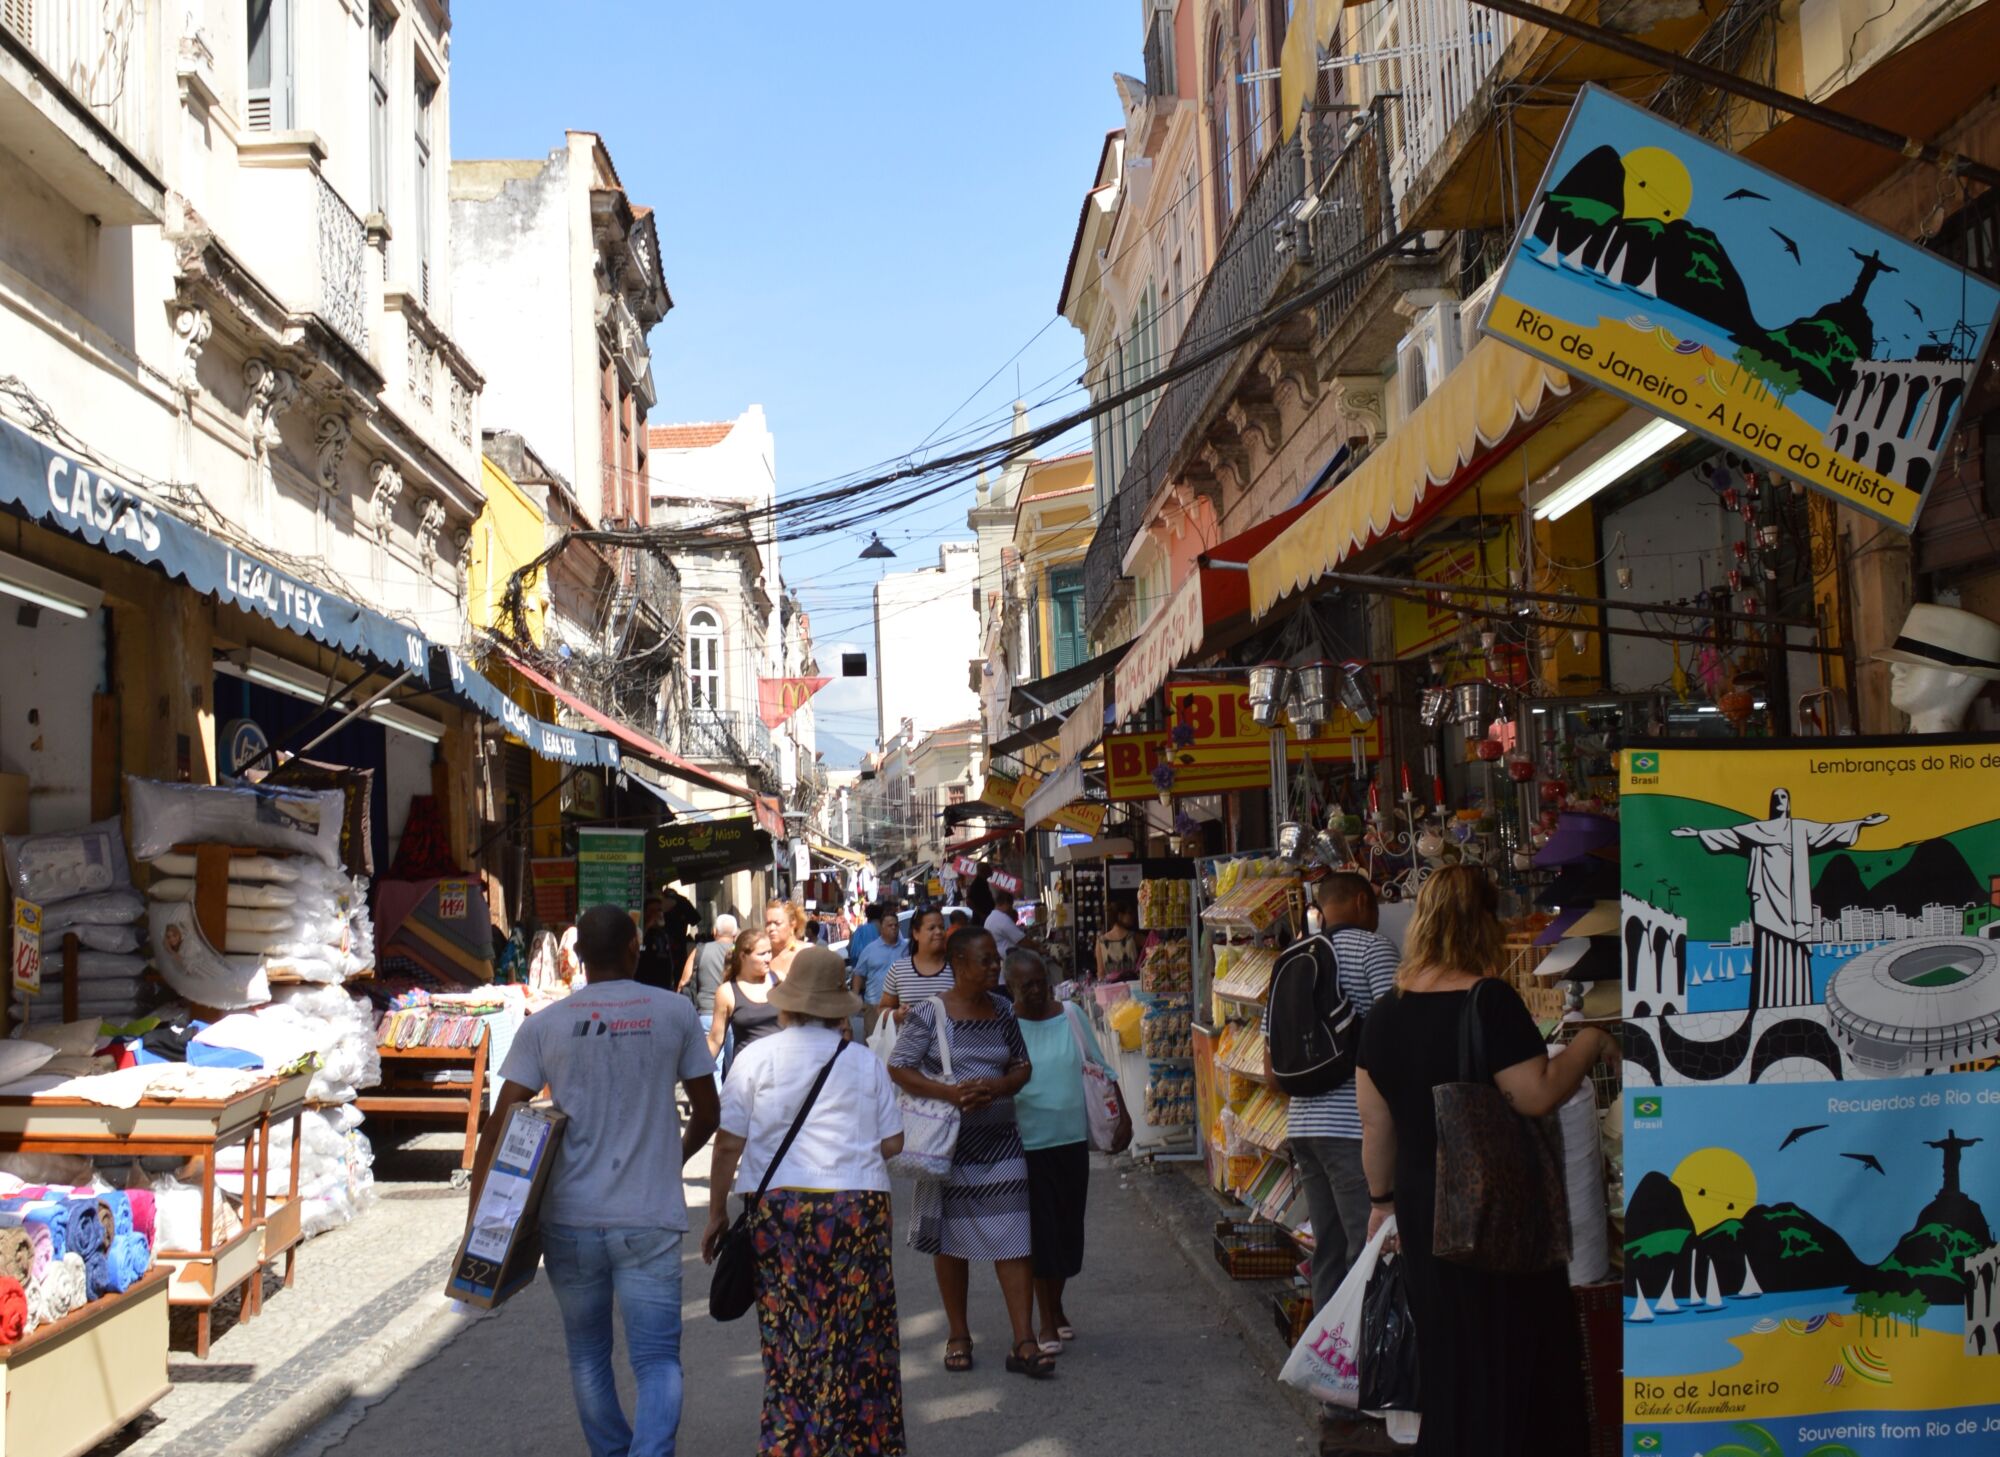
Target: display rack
406, 1092
73, 1383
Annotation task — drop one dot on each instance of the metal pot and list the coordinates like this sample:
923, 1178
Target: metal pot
1357, 692
1311, 701
1267, 693
1431, 706
1472, 708
1291, 839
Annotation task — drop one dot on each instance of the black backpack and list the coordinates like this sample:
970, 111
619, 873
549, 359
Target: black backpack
1315, 1031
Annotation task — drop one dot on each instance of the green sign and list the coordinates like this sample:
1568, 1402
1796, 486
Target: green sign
611, 869
691, 850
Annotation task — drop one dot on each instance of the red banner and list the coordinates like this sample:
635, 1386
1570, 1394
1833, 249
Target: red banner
779, 698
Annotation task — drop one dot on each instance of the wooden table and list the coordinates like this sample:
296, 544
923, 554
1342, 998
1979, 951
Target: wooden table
402, 1094
71, 1384
185, 1128
280, 1232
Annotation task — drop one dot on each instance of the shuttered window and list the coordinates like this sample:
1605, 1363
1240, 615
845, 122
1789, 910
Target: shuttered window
1066, 617
426, 94
381, 27
268, 93
19, 17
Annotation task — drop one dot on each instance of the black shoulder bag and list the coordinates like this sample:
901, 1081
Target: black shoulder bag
732, 1288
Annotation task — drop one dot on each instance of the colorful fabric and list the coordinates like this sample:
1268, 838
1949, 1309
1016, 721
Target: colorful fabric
13, 1310
129, 1258
826, 1321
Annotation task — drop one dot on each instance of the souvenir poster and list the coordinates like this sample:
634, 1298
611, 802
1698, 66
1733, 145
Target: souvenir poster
1812, 1111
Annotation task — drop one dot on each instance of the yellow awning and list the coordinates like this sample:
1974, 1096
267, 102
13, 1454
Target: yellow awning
835, 852
1479, 404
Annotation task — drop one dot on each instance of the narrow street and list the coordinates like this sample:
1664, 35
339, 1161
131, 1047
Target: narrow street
1158, 1366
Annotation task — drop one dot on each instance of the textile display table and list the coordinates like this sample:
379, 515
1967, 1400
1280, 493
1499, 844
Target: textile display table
186, 1128
73, 1383
280, 1230
404, 1091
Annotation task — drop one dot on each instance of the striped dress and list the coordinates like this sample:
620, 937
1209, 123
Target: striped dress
980, 1210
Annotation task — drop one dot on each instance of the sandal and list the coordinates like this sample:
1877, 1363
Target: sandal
958, 1361
1065, 1333
1051, 1348
1036, 1363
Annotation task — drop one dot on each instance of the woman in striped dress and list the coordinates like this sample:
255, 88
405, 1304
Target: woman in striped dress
979, 1211
923, 971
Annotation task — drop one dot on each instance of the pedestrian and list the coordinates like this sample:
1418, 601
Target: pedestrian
1055, 1137
979, 1211
1118, 945
743, 1010
1498, 1358
613, 1211
656, 955
863, 936
1324, 1129
824, 1232
979, 896
707, 967
1000, 923
923, 971
785, 924
871, 972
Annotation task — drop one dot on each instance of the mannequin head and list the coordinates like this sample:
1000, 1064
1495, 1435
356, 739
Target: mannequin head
1936, 699
1940, 661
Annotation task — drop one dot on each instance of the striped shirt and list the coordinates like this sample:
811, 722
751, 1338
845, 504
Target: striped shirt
912, 986
1367, 971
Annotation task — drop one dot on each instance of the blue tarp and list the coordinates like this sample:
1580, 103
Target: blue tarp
65, 493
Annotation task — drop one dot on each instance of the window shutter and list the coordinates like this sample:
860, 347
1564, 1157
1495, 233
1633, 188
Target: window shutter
19, 17
267, 99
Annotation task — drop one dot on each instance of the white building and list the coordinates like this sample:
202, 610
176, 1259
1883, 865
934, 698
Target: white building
927, 644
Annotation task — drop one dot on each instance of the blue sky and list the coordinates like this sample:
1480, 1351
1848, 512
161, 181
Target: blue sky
864, 212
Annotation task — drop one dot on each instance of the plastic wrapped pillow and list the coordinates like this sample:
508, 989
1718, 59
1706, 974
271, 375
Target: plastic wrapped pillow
243, 894
241, 867
196, 970
93, 938
59, 864
119, 907
165, 815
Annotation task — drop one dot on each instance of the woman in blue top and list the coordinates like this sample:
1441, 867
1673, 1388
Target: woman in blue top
1055, 1134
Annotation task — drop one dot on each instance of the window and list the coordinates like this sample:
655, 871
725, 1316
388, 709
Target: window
1221, 106
380, 28
426, 94
1066, 618
1249, 94
268, 94
704, 658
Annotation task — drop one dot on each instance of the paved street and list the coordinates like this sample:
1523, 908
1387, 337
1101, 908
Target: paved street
1158, 1368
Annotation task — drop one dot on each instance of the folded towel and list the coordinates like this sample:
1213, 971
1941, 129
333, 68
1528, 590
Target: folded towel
13, 1310
41, 1244
129, 1258
96, 1275
17, 1256
121, 1210
140, 1202
107, 1221
83, 1231
49, 1216
60, 1291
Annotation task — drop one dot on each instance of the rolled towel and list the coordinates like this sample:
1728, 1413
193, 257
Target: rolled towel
60, 1290
140, 1202
13, 1310
107, 1220
128, 1259
17, 1255
41, 1244
50, 1216
83, 1230
97, 1275
121, 1211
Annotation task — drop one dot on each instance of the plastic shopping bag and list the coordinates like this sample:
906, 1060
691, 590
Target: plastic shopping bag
1388, 1341
1326, 1362
882, 1041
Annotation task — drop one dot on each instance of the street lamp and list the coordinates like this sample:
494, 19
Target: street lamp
875, 551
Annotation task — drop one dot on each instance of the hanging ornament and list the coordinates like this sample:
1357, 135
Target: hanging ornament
1730, 497
1750, 603
1487, 639
1767, 536
1735, 579
1798, 487
1749, 514
1625, 579
1579, 641
1741, 548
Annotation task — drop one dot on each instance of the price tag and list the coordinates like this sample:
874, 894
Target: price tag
452, 896
27, 947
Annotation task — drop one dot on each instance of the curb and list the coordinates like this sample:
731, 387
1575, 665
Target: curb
1178, 1197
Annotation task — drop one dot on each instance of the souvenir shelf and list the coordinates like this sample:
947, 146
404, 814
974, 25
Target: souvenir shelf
1166, 991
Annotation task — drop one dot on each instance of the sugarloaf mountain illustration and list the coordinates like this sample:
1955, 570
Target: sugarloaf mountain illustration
1711, 1233
1752, 310
1786, 948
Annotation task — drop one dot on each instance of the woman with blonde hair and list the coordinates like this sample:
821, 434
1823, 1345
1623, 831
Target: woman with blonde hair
1497, 1354
785, 924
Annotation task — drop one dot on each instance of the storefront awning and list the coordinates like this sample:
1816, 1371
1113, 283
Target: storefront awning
977, 840
1480, 403
544, 740
840, 853
1036, 696
1083, 727
637, 743
1058, 792
676, 806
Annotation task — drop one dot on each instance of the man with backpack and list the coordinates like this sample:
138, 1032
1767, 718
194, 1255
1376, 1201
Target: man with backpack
1321, 989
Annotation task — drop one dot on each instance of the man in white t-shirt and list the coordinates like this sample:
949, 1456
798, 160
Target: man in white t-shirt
1000, 924
614, 1210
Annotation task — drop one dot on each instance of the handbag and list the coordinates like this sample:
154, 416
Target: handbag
930, 1125
1502, 1201
732, 1288
1103, 1104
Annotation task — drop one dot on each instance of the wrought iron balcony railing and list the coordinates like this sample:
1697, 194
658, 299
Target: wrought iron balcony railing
1357, 200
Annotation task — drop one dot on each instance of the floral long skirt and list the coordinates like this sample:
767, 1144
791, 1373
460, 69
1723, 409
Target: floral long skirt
826, 1315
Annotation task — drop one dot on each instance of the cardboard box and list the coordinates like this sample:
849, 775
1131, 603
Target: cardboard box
503, 1246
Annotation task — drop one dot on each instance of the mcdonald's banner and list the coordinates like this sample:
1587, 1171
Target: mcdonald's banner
1221, 746
779, 698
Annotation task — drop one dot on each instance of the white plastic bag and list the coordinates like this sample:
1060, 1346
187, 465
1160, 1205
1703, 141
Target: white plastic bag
259, 817
882, 1041
1327, 1360
930, 1125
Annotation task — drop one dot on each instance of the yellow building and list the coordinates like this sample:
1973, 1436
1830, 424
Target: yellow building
1054, 516
511, 532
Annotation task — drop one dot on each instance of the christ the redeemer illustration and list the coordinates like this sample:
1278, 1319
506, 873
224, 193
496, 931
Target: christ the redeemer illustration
1781, 905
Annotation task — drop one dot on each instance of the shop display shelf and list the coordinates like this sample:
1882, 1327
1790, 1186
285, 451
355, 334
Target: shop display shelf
1254, 1250
75, 1382
1291, 1310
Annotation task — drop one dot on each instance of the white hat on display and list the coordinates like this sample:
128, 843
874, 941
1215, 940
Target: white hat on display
1949, 638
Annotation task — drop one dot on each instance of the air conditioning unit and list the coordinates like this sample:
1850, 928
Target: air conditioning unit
1429, 352
1472, 313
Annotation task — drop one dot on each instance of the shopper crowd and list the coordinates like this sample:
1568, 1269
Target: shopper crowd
809, 1119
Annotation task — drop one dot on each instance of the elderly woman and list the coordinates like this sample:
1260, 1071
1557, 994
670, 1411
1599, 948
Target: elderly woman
826, 1292
1055, 1136
979, 1211
1497, 1354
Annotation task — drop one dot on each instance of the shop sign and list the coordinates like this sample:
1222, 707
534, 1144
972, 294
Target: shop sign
1082, 817
691, 850
1161, 648
1219, 747
1663, 268
27, 946
999, 791
243, 744
553, 883
1125, 877
1811, 994
1421, 626
611, 869
583, 795
965, 868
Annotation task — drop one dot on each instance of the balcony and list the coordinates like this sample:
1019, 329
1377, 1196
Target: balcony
76, 104
719, 736
1256, 256
1160, 77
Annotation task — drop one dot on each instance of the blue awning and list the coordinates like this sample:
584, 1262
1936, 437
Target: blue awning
66, 493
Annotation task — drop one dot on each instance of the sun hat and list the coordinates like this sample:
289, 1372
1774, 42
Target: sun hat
1600, 920
1559, 927
1578, 837
816, 986
1949, 638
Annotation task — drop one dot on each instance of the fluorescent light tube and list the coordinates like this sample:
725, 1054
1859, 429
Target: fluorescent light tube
22, 578
403, 721
1616, 463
